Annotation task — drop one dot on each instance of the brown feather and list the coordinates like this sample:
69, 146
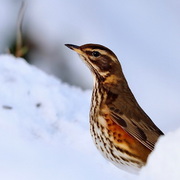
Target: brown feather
138, 123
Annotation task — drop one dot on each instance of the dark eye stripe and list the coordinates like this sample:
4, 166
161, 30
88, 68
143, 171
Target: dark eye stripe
96, 54
93, 53
89, 53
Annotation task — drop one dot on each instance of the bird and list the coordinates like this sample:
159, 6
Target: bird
121, 130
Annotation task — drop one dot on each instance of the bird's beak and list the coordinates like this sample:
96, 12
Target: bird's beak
74, 48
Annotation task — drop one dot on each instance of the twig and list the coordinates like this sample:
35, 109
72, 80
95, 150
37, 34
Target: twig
19, 41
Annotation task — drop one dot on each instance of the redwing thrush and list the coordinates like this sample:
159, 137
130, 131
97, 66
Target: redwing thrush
121, 130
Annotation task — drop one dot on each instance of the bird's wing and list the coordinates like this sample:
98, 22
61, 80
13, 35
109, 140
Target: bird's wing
136, 123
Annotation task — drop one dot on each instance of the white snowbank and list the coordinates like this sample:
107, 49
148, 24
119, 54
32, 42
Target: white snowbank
44, 132
164, 162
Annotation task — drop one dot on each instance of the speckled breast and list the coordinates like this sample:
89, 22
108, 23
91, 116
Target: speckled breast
111, 140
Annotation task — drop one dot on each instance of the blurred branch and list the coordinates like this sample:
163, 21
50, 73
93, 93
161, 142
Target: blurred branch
20, 49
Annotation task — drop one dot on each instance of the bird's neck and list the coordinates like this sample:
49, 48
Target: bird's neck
114, 82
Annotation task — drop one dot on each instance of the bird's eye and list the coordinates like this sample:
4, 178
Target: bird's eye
96, 53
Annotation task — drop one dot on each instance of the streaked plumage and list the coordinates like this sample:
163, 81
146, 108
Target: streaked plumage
120, 128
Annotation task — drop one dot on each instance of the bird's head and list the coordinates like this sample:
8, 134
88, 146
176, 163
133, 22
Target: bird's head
101, 60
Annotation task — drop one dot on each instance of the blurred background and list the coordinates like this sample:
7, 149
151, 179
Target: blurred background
145, 35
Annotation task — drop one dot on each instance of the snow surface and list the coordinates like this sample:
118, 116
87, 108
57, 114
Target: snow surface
44, 132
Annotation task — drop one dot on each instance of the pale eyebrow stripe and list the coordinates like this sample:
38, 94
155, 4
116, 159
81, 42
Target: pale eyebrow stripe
103, 52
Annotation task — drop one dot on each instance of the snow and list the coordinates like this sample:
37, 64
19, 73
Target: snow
44, 132
164, 162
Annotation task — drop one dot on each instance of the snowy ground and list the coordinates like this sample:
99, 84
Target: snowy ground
44, 132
